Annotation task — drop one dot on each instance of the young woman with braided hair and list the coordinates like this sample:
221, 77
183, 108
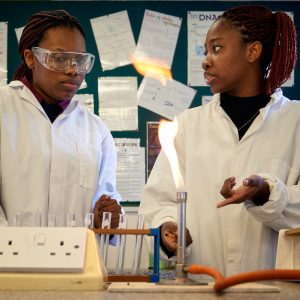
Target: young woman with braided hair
241, 138
56, 157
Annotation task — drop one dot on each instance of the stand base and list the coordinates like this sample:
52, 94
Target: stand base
181, 281
143, 287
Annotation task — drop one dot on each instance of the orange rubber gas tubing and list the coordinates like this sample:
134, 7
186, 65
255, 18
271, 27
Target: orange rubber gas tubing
222, 282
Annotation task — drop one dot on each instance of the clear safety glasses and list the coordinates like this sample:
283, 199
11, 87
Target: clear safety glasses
62, 61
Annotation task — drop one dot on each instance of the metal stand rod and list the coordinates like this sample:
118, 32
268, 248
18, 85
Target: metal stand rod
181, 238
181, 275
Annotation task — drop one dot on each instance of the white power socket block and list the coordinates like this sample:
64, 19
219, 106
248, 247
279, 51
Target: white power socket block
42, 249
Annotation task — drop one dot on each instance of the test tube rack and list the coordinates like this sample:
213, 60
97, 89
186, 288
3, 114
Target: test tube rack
155, 232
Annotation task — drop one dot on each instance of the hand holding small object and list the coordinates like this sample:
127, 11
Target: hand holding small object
106, 204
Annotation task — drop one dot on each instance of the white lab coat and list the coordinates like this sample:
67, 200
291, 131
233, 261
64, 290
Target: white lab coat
240, 237
51, 168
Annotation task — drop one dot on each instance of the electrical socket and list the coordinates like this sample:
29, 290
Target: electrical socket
42, 249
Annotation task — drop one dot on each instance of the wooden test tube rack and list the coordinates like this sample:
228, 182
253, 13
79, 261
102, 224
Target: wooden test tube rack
155, 232
292, 232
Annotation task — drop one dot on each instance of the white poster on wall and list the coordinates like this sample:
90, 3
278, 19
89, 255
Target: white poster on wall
118, 102
130, 168
158, 38
114, 39
166, 99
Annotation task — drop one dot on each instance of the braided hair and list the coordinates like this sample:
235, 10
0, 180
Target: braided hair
277, 34
34, 32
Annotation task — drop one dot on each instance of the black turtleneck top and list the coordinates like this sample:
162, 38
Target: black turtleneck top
243, 110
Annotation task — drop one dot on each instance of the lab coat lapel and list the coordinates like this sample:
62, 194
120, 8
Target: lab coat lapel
27, 95
263, 114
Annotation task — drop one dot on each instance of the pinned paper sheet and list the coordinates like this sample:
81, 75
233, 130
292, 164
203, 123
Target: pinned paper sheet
166, 99
114, 39
288, 249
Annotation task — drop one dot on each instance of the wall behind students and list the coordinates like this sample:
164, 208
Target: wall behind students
16, 13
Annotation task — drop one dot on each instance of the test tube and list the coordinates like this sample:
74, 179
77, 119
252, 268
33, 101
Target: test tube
138, 246
17, 220
104, 239
89, 220
31, 219
51, 220
71, 220
121, 240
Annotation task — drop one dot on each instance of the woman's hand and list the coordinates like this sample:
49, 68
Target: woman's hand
253, 187
107, 204
169, 234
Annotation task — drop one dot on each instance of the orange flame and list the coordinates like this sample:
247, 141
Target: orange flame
153, 68
166, 134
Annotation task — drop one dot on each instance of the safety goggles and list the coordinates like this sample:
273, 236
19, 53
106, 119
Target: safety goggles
62, 61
